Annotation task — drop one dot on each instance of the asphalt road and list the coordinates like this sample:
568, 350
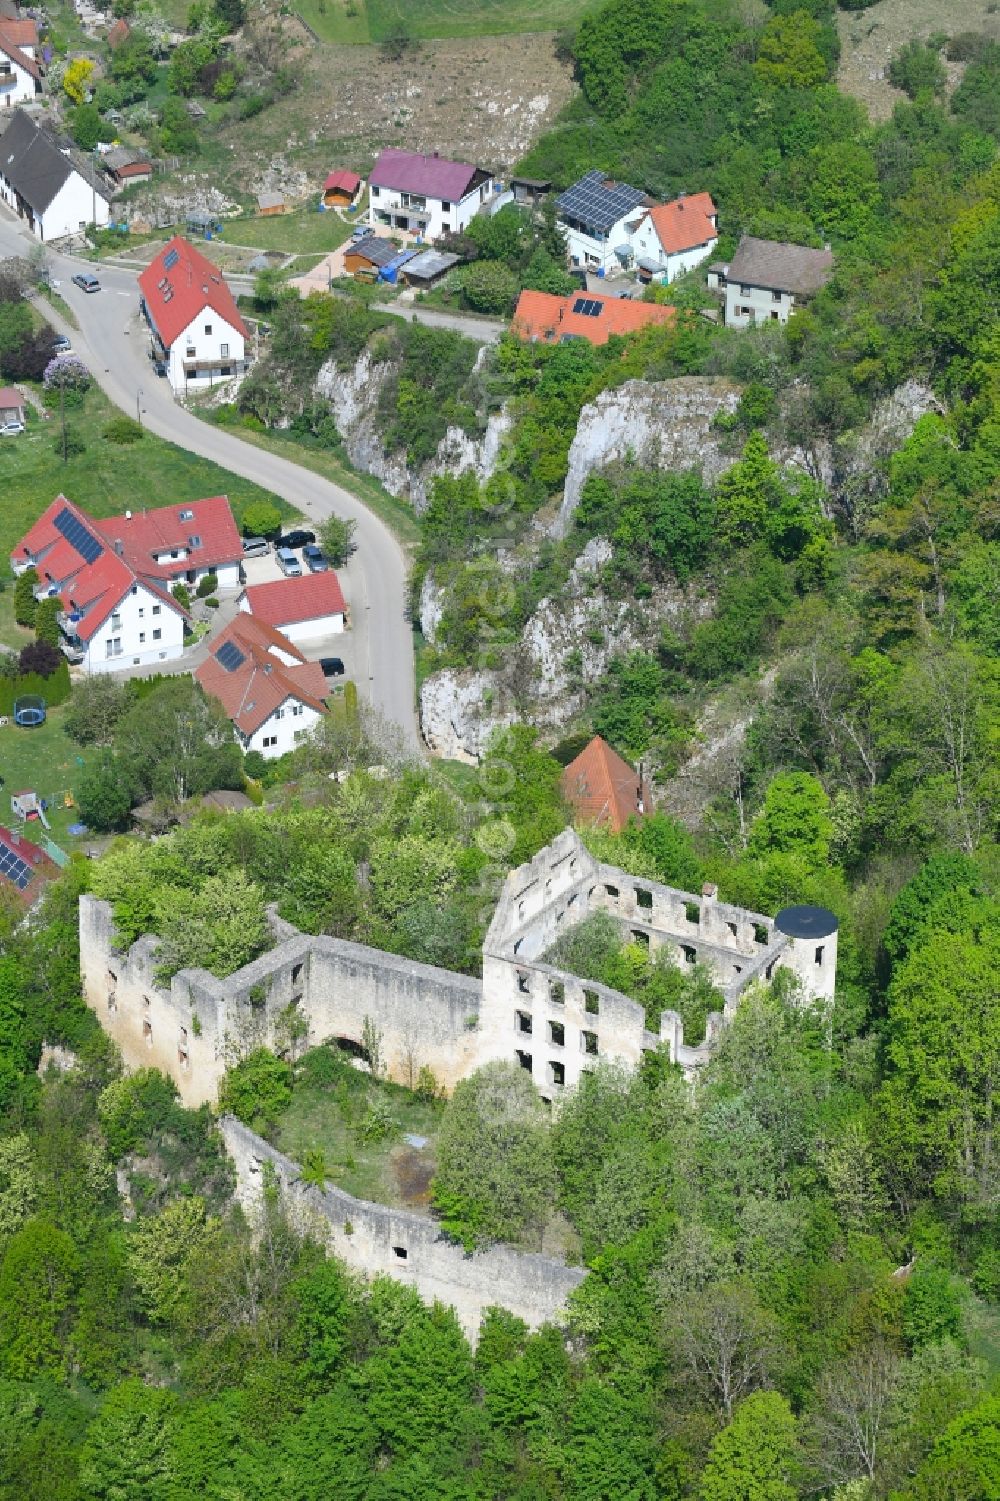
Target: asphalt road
112, 342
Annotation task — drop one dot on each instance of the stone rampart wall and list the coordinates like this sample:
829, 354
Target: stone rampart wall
373, 1239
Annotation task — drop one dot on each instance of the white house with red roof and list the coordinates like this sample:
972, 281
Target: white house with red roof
193, 318
20, 71
271, 693
114, 577
301, 609
426, 195
672, 238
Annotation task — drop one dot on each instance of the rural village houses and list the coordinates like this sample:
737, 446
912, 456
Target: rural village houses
270, 692
47, 183
193, 318
610, 226
114, 576
20, 70
766, 279
426, 195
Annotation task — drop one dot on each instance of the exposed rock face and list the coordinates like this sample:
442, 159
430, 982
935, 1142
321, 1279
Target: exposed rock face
354, 398
567, 645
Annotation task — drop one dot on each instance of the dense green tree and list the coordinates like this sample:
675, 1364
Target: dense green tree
126, 1455
754, 1459
258, 1089
39, 1282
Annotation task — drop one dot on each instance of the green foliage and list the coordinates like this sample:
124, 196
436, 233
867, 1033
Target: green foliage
918, 68
789, 55
123, 431
46, 622
258, 1089
260, 519
965, 1461
39, 1279
754, 1458
207, 585
25, 604
490, 288
336, 538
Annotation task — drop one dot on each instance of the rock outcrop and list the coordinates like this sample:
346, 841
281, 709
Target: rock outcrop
354, 402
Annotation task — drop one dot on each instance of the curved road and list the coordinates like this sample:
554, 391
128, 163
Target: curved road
112, 340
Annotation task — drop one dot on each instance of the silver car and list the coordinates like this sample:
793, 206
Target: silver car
289, 563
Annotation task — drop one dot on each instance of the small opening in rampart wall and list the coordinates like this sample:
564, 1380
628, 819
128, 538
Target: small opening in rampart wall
612, 892
112, 1004
759, 933
638, 936
572, 866
517, 946
588, 1041
520, 911
147, 1032
644, 898
524, 1059
557, 1034
692, 912
769, 971
557, 992
737, 969
297, 973
522, 1022
690, 953
524, 982
591, 1002
112, 982
819, 954
557, 1074
548, 887
400, 1253
573, 899
146, 1002
732, 928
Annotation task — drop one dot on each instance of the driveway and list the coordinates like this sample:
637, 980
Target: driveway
112, 342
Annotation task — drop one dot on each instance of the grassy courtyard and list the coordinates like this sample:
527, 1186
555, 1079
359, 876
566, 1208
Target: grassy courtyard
358, 1125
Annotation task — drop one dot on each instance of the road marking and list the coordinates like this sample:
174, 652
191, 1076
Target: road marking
123, 294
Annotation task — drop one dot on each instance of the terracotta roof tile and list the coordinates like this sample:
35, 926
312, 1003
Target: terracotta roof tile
42, 867
146, 533
348, 182
288, 601
175, 295
685, 223
411, 172
603, 788
264, 679
549, 319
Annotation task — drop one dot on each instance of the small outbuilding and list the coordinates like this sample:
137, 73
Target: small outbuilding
341, 188
125, 165
11, 407
304, 609
369, 255
427, 267
269, 204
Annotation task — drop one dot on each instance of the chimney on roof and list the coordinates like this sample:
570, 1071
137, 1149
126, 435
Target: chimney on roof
15, 837
119, 546
128, 515
681, 195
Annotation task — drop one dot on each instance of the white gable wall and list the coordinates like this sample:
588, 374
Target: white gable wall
75, 206
220, 347
283, 730
647, 247
143, 631
17, 85
385, 203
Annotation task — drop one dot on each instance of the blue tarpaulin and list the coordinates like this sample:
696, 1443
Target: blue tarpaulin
390, 272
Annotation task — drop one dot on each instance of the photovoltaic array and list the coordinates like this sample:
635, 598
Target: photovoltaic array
14, 868
229, 656
77, 536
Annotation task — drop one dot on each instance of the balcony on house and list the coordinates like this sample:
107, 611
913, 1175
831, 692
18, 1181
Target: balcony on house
70, 644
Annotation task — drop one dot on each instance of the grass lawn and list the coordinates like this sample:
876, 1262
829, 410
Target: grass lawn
104, 480
332, 1112
396, 514
304, 231
375, 19
49, 762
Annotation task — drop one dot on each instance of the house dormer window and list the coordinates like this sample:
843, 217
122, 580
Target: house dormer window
186, 516
194, 541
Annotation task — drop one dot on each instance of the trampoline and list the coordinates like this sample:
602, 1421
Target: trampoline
29, 711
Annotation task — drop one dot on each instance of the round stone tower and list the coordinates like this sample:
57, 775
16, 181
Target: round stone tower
812, 947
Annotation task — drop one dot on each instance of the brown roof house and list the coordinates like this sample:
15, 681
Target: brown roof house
766, 280
604, 789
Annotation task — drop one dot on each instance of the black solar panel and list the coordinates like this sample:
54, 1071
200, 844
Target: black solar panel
229, 656
14, 868
77, 536
598, 204
170, 260
588, 306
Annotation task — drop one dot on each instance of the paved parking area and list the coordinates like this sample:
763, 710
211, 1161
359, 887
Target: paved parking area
262, 570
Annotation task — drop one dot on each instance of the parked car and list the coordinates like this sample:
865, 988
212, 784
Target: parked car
86, 281
314, 559
296, 539
289, 563
256, 547
333, 667
11, 428
61, 345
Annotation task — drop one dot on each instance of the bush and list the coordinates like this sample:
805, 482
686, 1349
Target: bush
68, 445
257, 1090
46, 624
489, 287
25, 603
182, 594
104, 798
40, 657
260, 518
123, 430
916, 69
207, 585
211, 602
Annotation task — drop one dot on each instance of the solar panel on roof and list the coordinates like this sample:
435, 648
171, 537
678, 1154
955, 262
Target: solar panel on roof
15, 869
229, 656
589, 307
77, 535
170, 260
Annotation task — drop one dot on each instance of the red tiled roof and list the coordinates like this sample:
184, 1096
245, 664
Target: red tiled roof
411, 172
43, 867
90, 589
549, 319
10, 398
22, 31
262, 682
349, 182
288, 601
9, 46
175, 297
146, 533
685, 223
603, 788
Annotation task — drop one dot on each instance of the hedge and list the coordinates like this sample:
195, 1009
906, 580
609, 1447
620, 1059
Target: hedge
55, 690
